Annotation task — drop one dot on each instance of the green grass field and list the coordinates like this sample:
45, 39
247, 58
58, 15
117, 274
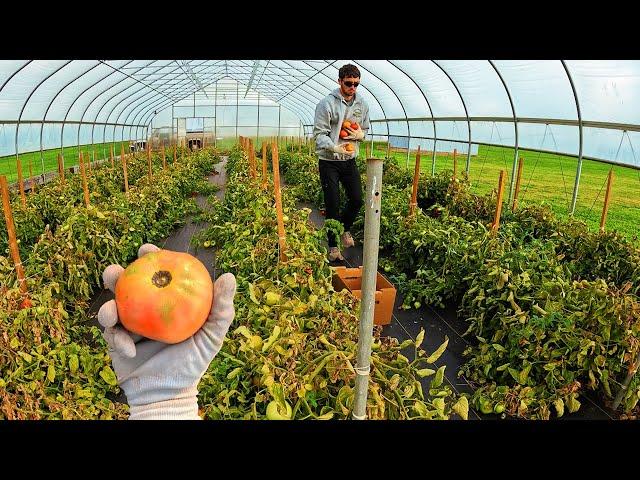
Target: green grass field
548, 178
50, 159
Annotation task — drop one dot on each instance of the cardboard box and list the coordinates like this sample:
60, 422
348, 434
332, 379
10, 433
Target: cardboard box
351, 279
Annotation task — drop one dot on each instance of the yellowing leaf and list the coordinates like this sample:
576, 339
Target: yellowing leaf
461, 407
51, 373
436, 355
420, 338
326, 416
73, 363
252, 294
425, 372
108, 375
437, 380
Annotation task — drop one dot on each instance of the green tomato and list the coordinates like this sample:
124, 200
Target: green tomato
416, 242
271, 298
274, 414
207, 244
41, 310
485, 406
499, 408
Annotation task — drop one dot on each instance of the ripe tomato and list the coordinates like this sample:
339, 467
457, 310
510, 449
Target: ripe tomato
343, 133
348, 147
164, 296
354, 126
346, 124
26, 303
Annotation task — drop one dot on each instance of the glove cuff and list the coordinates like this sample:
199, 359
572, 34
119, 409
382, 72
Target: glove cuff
183, 407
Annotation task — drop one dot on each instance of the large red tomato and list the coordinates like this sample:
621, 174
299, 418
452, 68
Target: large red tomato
164, 296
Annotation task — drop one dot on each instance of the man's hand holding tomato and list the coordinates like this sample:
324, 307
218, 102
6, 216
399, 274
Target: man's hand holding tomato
160, 379
354, 131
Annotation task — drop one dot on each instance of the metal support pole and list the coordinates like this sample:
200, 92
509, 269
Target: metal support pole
237, 109
433, 158
258, 131
408, 151
369, 275
574, 198
215, 117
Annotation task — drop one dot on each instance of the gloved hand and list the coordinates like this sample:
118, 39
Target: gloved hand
160, 380
354, 134
339, 149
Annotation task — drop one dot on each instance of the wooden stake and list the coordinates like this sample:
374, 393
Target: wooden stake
496, 220
164, 161
252, 159
455, 162
517, 190
388, 149
11, 230
61, 167
276, 189
174, 153
33, 182
84, 181
149, 162
23, 198
124, 168
111, 155
367, 150
264, 165
414, 192
607, 199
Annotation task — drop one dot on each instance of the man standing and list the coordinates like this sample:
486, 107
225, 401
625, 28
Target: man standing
341, 122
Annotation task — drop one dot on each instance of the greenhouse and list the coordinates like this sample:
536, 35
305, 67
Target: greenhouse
319, 239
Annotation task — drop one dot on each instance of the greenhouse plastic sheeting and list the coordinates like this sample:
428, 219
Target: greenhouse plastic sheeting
54, 103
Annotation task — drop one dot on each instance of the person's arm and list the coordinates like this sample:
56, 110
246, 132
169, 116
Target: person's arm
322, 128
161, 380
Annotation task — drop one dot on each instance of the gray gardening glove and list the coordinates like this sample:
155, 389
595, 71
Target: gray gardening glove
340, 150
161, 380
354, 134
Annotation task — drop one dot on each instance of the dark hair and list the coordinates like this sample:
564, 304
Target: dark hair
348, 70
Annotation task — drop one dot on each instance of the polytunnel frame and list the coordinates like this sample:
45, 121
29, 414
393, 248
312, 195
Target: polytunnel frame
152, 102
148, 90
141, 112
297, 105
75, 100
125, 77
46, 77
466, 112
435, 132
300, 113
295, 108
401, 105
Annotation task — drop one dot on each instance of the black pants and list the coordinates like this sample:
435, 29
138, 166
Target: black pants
345, 172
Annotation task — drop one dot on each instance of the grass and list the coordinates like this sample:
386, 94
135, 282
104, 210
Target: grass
50, 159
547, 178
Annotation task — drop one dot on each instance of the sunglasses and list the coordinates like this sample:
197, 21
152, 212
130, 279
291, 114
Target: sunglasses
351, 84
